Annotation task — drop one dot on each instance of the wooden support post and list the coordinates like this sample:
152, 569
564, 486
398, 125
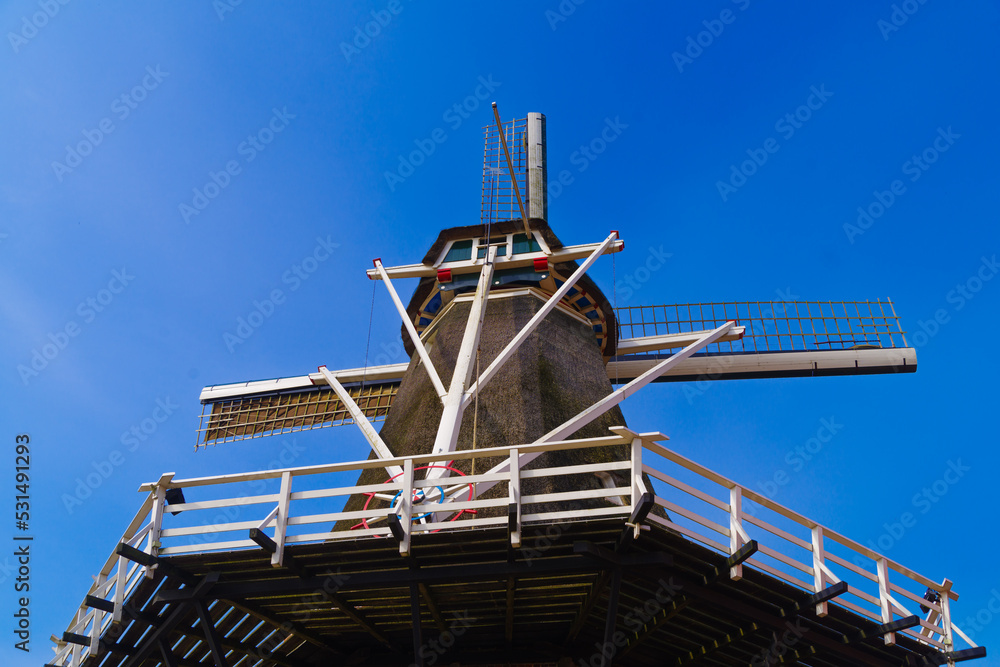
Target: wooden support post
515, 497
819, 562
884, 592
948, 639
736, 529
99, 611
281, 521
406, 508
211, 634
638, 487
120, 579
156, 518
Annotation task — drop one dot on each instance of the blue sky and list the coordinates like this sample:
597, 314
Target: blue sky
117, 116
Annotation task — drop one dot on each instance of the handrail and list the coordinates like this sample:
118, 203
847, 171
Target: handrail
422, 509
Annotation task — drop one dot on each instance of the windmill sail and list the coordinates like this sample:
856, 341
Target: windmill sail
780, 339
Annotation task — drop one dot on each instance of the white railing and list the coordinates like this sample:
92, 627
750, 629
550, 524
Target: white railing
304, 508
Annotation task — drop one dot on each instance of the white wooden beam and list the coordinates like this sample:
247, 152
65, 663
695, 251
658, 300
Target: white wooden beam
533, 323
774, 364
414, 336
670, 341
454, 407
281, 520
614, 398
377, 444
564, 254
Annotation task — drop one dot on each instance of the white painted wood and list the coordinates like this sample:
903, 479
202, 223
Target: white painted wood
281, 520
95, 629
670, 341
414, 337
406, 508
819, 569
514, 489
378, 446
564, 254
119, 588
535, 320
268, 519
386, 373
571, 470
451, 415
676, 510
719, 366
687, 488
736, 532
883, 593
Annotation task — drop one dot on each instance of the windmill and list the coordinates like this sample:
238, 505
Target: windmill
505, 501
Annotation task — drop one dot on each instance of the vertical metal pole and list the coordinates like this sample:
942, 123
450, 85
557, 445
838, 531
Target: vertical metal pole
538, 195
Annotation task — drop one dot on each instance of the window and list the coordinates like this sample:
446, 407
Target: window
460, 250
523, 243
499, 241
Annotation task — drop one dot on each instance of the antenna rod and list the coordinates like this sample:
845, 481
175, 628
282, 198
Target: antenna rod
510, 169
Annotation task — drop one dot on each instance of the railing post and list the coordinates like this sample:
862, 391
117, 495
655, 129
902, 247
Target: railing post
515, 496
120, 578
735, 529
883, 595
819, 561
638, 488
948, 638
155, 525
95, 630
281, 521
406, 507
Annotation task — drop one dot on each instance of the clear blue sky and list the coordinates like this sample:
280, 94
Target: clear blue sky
198, 80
